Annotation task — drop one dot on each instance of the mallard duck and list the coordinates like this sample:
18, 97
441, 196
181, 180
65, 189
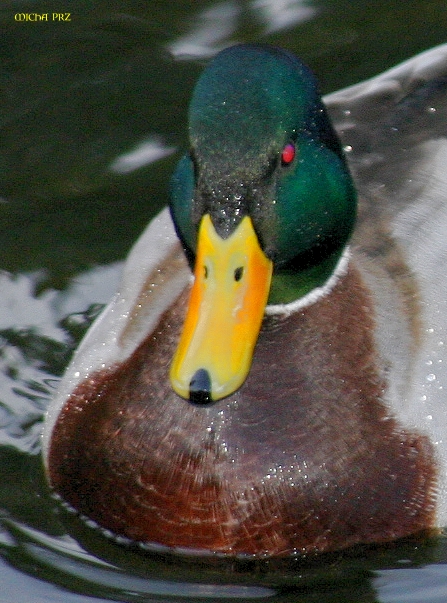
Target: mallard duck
268, 380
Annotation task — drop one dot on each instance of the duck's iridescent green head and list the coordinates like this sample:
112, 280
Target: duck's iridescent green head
262, 150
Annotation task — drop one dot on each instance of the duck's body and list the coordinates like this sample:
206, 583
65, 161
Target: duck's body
337, 434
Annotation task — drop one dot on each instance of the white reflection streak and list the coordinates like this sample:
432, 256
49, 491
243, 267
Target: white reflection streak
64, 554
411, 584
210, 32
282, 14
144, 153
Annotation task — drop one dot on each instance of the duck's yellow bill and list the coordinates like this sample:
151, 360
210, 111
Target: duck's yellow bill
224, 316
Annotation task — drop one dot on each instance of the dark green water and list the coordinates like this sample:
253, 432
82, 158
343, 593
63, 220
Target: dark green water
76, 97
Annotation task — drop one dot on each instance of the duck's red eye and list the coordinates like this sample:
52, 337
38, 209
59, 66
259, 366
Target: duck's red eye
288, 154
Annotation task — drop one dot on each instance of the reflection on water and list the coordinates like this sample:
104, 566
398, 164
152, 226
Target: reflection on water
283, 14
210, 31
91, 115
37, 337
64, 555
213, 28
425, 585
143, 154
